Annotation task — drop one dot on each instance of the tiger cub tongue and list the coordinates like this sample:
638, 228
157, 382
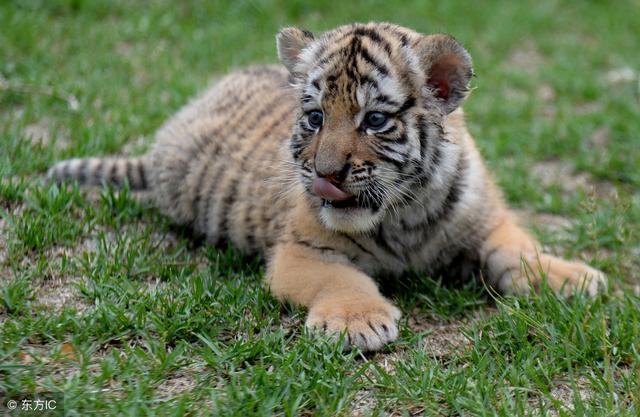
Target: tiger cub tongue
324, 189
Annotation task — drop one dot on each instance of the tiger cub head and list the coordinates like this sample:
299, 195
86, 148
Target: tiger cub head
373, 98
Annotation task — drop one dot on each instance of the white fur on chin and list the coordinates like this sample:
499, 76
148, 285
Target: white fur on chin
353, 220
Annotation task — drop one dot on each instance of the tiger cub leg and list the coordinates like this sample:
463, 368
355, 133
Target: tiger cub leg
338, 296
513, 263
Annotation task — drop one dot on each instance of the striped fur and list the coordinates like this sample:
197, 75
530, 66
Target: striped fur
97, 171
240, 162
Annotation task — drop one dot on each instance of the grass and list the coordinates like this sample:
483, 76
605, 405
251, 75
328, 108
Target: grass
101, 298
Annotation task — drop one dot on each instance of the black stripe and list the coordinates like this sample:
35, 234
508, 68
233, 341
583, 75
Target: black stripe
387, 135
326, 59
365, 79
398, 164
422, 135
332, 78
312, 246
366, 56
355, 242
408, 103
82, 171
251, 237
227, 203
178, 173
453, 195
128, 172
221, 169
375, 38
434, 160
386, 147
431, 156
209, 154
456, 188
66, 168
97, 174
113, 179
384, 99
398, 33
382, 243
404, 40
142, 175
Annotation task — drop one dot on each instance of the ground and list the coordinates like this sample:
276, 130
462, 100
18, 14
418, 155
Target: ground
101, 298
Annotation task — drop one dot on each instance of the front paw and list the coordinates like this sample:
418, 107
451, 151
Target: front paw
370, 322
569, 277
564, 277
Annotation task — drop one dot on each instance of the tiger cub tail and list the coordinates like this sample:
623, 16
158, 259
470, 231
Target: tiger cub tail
98, 171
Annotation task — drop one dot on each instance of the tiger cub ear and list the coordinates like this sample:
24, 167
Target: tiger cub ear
291, 41
448, 69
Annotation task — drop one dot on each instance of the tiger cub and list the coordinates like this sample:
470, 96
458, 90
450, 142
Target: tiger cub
351, 161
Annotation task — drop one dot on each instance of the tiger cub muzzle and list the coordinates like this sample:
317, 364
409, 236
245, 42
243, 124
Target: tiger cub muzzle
335, 193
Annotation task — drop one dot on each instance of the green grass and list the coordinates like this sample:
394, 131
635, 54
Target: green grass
159, 324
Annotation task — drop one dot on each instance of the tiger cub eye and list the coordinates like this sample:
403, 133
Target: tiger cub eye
315, 118
375, 119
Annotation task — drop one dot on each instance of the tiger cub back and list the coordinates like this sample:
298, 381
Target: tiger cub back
218, 165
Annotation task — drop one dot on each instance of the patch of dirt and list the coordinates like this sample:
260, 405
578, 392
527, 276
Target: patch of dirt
560, 174
363, 403
41, 133
125, 49
38, 133
61, 293
55, 290
621, 75
563, 392
177, 383
526, 58
443, 340
545, 93
589, 107
446, 341
600, 138
5, 271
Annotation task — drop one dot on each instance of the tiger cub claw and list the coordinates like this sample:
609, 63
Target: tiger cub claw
368, 323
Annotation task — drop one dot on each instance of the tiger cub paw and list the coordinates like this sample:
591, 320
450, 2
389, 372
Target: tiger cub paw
569, 277
564, 277
369, 322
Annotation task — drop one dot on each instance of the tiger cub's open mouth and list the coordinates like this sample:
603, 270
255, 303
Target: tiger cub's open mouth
354, 202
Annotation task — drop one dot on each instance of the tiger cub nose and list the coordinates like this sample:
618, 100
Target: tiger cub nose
336, 177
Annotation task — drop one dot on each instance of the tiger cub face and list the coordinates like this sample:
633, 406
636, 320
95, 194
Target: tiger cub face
372, 99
